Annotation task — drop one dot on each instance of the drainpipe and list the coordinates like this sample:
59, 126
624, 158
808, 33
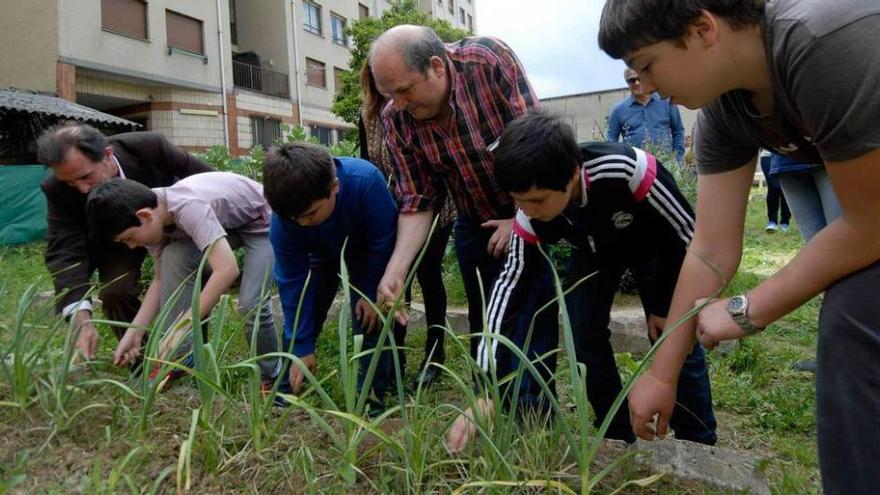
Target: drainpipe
222, 76
299, 112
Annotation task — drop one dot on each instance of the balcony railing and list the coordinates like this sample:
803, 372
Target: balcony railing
251, 77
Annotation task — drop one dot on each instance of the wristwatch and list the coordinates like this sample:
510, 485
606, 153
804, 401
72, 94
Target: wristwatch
738, 307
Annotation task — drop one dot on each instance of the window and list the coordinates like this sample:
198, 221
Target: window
315, 73
322, 134
233, 31
452, 7
363, 11
125, 17
337, 79
265, 132
312, 18
470, 23
337, 25
461, 15
184, 33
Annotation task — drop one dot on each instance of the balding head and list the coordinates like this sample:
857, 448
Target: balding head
409, 65
414, 44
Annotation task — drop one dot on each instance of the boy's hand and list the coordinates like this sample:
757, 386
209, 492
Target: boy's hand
87, 335
498, 243
129, 348
715, 324
656, 325
366, 315
648, 398
296, 375
464, 427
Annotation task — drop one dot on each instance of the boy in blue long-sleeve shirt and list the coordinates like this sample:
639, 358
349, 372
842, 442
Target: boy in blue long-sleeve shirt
319, 203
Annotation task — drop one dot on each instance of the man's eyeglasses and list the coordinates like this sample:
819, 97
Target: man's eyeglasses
632, 80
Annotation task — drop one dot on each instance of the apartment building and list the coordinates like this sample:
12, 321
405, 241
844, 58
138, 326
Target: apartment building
202, 72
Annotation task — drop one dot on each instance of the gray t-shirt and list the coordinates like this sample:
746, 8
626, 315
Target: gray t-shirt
824, 58
205, 206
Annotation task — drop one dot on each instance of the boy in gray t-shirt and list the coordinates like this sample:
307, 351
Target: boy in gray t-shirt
177, 224
797, 77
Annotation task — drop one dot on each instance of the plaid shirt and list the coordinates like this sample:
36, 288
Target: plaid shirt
489, 88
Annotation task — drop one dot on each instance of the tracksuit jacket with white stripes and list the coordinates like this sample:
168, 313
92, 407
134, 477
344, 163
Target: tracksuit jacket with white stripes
631, 212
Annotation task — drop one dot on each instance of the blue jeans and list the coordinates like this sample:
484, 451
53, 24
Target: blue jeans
326, 283
811, 198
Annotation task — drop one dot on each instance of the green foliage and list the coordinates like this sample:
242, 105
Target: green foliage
363, 32
250, 166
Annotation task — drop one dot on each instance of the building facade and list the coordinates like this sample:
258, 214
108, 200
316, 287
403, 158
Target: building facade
202, 72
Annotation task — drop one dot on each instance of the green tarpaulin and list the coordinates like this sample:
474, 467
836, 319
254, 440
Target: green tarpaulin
22, 203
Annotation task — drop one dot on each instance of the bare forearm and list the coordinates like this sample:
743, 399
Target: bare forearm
149, 307
836, 251
217, 285
696, 280
412, 230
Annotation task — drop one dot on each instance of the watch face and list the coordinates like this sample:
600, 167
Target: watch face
736, 305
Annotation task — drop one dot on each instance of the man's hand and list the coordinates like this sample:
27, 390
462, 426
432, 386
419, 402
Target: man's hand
464, 427
129, 348
386, 293
651, 396
87, 335
656, 325
365, 314
715, 324
296, 375
498, 243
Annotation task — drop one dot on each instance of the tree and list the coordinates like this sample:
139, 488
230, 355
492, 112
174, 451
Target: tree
347, 104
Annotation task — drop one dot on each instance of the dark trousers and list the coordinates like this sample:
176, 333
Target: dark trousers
430, 277
325, 280
589, 309
848, 385
478, 271
777, 207
119, 273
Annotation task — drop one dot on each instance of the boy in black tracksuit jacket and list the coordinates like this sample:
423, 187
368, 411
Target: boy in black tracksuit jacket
619, 209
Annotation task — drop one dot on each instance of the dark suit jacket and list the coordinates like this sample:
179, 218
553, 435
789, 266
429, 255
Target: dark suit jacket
146, 157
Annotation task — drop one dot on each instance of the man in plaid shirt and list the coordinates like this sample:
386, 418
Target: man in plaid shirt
448, 106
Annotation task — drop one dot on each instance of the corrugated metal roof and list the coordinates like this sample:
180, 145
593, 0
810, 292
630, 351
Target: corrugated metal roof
16, 100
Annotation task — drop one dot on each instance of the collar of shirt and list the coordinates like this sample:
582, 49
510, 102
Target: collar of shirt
118, 167
654, 97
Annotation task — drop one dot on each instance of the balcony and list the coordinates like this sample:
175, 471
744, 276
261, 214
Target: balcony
252, 77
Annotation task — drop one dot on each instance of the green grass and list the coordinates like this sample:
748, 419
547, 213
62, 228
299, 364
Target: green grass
88, 428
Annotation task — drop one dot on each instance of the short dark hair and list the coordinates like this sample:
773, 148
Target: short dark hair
627, 25
111, 207
55, 142
295, 175
536, 150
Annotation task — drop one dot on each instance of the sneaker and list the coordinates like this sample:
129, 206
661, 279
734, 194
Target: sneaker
784, 227
173, 375
771, 227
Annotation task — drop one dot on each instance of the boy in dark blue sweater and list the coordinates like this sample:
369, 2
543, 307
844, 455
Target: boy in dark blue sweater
319, 203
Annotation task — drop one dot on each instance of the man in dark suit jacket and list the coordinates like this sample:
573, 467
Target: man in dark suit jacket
81, 157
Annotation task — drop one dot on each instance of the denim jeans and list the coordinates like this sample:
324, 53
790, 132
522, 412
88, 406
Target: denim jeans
325, 277
811, 198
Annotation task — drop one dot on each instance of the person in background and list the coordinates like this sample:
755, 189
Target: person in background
778, 214
644, 119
